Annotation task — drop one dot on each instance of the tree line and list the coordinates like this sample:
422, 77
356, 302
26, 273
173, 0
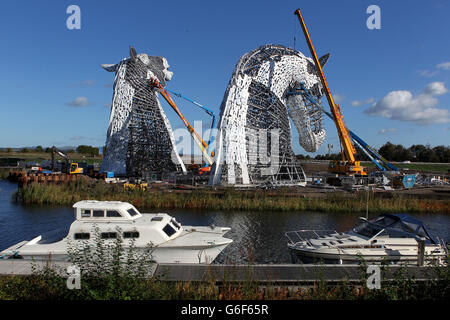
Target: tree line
83, 149
397, 152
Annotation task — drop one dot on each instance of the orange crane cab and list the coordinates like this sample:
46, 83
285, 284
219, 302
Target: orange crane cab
348, 165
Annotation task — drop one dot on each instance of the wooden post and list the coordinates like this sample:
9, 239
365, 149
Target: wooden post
420, 251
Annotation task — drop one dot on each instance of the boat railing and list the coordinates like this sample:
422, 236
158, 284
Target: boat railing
442, 244
304, 235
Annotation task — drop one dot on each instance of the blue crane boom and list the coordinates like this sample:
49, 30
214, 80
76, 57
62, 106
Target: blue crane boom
374, 156
208, 111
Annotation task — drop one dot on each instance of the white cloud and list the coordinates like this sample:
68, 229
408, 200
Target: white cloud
358, 103
78, 102
384, 131
403, 106
428, 74
444, 66
435, 89
440, 66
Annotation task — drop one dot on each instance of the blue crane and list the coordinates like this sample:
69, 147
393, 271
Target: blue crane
380, 162
207, 110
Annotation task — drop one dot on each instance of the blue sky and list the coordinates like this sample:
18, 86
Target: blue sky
392, 83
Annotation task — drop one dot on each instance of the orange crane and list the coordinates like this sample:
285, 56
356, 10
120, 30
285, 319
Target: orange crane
197, 138
348, 165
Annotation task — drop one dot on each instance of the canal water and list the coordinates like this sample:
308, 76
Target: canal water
258, 236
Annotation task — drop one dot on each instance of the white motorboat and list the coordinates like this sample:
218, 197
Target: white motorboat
392, 238
171, 242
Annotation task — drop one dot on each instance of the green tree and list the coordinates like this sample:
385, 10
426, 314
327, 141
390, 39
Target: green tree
442, 153
93, 151
39, 149
388, 151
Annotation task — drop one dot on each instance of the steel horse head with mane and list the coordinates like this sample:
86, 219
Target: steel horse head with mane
139, 138
256, 103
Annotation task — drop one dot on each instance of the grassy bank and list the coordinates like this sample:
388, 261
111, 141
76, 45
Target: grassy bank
422, 167
46, 284
67, 194
40, 156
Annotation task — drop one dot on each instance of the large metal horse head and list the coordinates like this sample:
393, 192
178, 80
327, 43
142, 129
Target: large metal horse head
139, 138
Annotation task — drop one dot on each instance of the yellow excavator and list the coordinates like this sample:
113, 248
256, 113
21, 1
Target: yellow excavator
348, 165
71, 167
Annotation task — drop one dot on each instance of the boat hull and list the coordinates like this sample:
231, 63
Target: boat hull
308, 257
197, 255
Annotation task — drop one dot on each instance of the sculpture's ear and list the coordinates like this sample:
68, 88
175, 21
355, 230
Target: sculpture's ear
133, 54
323, 59
110, 67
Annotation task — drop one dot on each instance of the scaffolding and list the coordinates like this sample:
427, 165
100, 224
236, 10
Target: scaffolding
254, 140
140, 139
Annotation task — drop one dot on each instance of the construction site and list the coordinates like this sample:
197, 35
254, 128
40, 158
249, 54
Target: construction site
270, 87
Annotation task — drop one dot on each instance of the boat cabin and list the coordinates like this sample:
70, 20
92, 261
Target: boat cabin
93, 210
394, 226
108, 215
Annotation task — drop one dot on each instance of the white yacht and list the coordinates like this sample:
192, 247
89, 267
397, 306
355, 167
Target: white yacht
171, 242
390, 237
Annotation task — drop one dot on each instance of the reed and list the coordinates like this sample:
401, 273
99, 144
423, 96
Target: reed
228, 200
4, 173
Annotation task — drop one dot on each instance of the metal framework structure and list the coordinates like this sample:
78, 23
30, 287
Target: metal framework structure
140, 139
253, 144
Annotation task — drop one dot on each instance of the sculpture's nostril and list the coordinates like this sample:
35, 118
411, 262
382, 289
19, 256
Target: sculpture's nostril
168, 75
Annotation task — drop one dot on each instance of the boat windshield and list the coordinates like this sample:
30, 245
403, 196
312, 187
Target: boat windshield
367, 229
394, 226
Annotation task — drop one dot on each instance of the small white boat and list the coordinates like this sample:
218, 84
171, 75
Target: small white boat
171, 242
392, 238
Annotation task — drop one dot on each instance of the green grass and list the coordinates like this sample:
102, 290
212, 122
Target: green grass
229, 200
39, 156
422, 167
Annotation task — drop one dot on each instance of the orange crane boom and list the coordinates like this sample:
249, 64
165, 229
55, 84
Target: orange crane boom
200, 142
349, 165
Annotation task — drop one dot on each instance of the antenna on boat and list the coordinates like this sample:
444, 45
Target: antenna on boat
367, 199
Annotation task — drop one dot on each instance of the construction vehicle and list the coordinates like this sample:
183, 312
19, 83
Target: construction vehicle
208, 111
207, 167
69, 167
135, 186
348, 165
197, 138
